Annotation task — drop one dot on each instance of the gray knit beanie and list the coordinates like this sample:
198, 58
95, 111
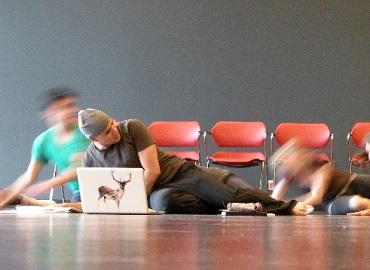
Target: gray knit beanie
92, 122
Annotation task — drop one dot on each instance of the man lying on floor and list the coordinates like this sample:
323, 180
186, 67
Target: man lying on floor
338, 192
173, 185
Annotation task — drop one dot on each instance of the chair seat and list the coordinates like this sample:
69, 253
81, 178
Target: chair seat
238, 159
188, 155
360, 159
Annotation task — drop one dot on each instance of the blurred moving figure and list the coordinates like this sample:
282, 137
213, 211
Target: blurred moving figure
62, 143
339, 192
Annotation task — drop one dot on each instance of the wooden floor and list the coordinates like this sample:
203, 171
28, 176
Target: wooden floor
82, 241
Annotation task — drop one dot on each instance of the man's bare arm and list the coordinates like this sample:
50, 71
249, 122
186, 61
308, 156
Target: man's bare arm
149, 160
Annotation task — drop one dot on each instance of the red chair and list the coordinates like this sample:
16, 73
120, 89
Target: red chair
316, 136
355, 142
178, 135
229, 134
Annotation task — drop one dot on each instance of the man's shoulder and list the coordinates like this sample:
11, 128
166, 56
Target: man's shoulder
129, 123
131, 126
45, 135
42, 145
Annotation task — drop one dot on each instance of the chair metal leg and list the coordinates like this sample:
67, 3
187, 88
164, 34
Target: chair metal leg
51, 195
208, 163
63, 196
262, 166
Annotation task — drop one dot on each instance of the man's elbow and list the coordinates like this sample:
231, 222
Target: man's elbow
154, 172
157, 172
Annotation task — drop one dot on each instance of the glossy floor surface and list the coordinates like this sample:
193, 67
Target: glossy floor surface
82, 241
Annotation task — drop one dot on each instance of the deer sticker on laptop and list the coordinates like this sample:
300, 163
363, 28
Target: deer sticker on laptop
108, 193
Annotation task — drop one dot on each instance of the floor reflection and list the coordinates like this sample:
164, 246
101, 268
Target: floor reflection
74, 241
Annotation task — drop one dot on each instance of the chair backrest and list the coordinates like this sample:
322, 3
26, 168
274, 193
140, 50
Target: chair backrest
239, 134
311, 135
175, 133
359, 132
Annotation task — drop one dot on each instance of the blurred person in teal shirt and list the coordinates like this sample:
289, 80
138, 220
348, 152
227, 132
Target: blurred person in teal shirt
62, 144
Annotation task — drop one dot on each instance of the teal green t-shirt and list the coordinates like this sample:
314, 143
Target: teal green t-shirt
66, 156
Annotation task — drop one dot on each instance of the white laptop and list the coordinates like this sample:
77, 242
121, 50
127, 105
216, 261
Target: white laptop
113, 190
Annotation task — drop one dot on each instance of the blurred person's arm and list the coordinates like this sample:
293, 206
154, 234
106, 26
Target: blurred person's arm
319, 185
60, 179
304, 197
46, 185
280, 189
24, 181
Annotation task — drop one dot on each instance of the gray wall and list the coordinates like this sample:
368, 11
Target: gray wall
273, 61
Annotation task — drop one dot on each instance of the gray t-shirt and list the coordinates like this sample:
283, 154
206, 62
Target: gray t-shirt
134, 138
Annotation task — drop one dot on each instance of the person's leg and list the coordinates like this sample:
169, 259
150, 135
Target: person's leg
175, 201
76, 198
360, 185
355, 198
237, 182
270, 204
158, 199
215, 193
202, 185
359, 203
190, 181
346, 204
